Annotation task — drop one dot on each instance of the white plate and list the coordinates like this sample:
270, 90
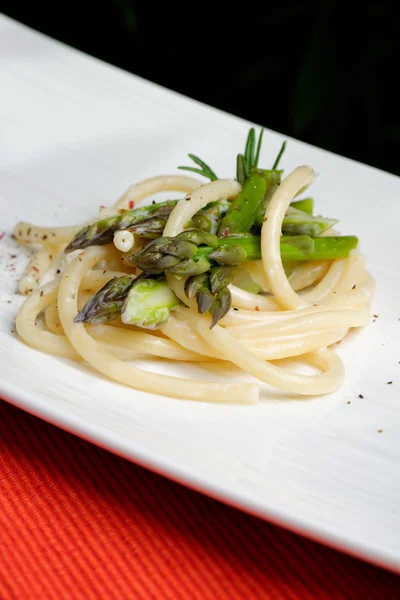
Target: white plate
75, 133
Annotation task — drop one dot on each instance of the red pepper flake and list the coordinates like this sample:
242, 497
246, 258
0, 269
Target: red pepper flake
102, 206
2, 234
35, 269
225, 232
256, 308
131, 204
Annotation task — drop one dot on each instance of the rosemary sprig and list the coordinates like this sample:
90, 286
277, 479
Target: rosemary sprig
204, 170
278, 158
247, 162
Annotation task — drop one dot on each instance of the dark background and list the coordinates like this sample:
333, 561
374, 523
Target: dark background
324, 72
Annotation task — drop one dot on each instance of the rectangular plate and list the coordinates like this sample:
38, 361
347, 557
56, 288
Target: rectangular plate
75, 133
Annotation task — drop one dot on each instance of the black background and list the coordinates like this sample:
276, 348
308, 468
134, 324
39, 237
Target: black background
324, 72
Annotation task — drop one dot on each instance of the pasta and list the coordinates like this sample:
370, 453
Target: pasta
189, 280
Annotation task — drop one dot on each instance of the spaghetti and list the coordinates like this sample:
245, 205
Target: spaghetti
297, 312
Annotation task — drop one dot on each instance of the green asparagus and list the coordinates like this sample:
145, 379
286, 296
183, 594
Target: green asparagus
102, 232
297, 222
243, 209
234, 250
106, 305
149, 303
306, 205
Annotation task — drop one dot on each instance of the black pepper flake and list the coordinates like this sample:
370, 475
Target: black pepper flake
376, 316
360, 396
373, 320
29, 231
348, 402
235, 309
9, 301
58, 271
73, 296
354, 287
153, 202
50, 256
41, 293
389, 382
44, 237
13, 256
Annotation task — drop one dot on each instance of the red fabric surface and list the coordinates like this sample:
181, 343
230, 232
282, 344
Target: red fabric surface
78, 522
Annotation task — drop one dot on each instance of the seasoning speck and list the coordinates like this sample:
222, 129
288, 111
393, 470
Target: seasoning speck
376, 316
41, 293
58, 271
235, 309
354, 287
256, 308
380, 431
131, 204
360, 396
389, 382
348, 402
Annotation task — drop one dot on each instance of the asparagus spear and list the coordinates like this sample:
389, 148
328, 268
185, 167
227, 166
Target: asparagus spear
149, 303
209, 217
106, 305
243, 210
297, 222
306, 205
233, 250
102, 232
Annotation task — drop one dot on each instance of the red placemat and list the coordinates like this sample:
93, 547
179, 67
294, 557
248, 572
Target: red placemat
77, 522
